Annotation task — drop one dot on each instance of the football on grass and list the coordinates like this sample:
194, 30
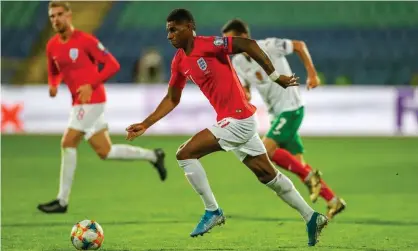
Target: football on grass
87, 235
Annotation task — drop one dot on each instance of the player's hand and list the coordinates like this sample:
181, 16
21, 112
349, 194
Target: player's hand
53, 91
312, 82
84, 93
286, 81
135, 130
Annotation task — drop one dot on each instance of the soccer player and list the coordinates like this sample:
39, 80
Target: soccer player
205, 61
73, 58
283, 143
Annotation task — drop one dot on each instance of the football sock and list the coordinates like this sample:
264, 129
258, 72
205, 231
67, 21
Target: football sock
68, 166
326, 192
196, 175
128, 152
287, 161
285, 189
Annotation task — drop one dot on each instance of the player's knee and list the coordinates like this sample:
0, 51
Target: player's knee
270, 146
182, 153
270, 152
102, 153
66, 143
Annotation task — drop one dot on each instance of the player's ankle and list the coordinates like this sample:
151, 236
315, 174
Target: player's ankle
62, 202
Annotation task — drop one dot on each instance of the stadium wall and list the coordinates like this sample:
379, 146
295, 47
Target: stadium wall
330, 110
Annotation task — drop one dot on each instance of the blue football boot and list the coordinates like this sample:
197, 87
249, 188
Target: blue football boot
208, 221
314, 227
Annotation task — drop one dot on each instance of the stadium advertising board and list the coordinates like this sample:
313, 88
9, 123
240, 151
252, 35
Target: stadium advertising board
368, 111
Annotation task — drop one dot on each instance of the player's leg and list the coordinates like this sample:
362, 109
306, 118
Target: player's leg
284, 159
282, 133
101, 143
251, 154
282, 130
335, 204
312, 180
70, 140
188, 155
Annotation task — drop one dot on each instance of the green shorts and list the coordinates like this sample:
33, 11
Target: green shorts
284, 131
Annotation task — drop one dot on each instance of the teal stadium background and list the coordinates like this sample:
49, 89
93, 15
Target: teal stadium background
366, 43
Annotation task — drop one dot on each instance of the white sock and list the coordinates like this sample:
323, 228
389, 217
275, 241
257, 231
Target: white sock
128, 152
285, 189
68, 165
196, 176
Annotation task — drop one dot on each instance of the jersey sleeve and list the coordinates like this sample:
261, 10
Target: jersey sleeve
99, 53
54, 75
218, 45
177, 79
279, 47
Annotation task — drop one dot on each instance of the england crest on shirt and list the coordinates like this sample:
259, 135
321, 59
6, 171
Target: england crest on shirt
218, 41
73, 54
202, 64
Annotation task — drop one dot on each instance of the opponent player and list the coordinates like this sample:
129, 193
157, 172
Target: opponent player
205, 61
73, 58
285, 106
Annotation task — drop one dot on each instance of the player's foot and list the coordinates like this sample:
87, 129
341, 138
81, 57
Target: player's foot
209, 220
313, 182
314, 227
159, 164
52, 207
336, 206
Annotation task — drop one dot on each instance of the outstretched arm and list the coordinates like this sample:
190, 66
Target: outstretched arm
249, 46
169, 102
302, 50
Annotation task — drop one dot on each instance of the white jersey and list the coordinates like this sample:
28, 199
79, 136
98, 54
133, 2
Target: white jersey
249, 72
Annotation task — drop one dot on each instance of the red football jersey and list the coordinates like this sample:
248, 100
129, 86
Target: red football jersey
76, 63
209, 67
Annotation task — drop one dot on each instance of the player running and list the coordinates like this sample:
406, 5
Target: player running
285, 106
73, 58
205, 61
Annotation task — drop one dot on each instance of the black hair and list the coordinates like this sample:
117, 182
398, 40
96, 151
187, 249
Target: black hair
236, 25
179, 15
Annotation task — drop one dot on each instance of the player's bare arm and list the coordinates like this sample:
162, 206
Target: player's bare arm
302, 51
169, 102
249, 46
54, 76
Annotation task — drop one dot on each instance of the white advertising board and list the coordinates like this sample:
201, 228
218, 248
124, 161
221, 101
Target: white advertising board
357, 110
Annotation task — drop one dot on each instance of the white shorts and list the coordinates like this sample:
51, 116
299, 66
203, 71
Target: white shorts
239, 136
87, 118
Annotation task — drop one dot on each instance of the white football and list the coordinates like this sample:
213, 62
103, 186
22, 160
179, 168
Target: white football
87, 235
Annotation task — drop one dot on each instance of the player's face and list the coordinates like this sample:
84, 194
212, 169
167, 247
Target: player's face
179, 33
60, 19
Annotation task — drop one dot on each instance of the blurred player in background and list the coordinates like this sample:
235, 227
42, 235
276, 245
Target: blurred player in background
205, 61
283, 143
73, 58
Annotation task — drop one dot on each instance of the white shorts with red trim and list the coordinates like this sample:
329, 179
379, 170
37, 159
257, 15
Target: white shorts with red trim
239, 136
87, 118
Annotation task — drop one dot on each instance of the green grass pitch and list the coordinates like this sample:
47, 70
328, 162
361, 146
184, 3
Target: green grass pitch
376, 176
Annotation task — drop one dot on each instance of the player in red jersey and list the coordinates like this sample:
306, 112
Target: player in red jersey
205, 61
73, 58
